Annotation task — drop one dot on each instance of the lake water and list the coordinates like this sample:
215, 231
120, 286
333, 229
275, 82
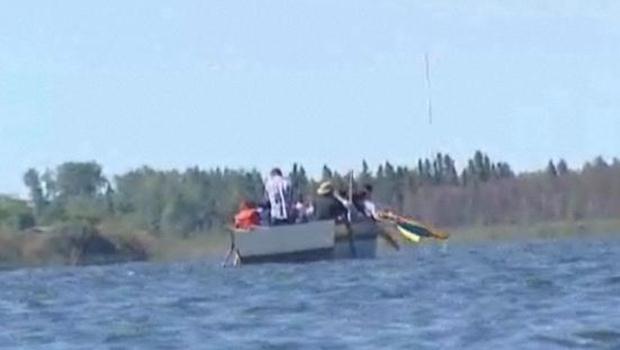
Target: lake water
538, 294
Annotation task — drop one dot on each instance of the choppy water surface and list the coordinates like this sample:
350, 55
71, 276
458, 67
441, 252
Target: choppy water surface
541, 294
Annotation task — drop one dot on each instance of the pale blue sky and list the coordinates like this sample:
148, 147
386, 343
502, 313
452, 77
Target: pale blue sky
262, 83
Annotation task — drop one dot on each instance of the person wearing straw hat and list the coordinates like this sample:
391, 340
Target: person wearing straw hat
329, 204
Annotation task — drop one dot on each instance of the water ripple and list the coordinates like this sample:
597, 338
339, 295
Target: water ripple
527, 295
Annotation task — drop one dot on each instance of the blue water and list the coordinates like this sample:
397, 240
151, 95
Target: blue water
540, 294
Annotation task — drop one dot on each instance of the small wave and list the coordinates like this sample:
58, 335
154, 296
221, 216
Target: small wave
502, 297
539, 283
277, 309
613, 280
601, 336
562, 342
126, 331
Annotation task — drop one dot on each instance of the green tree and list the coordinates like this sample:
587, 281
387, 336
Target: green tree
85, 209
140, 194
32, 181
562, 167
79, 179
299, 181
551, 170
450, 175
49, 181
365, 177
15, 214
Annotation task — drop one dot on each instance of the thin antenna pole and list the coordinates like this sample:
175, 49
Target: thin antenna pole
428, 86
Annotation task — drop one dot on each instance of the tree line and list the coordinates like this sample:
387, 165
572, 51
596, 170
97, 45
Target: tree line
198, 201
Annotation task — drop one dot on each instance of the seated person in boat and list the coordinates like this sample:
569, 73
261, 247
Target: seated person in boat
363, 202
278, 193
302, 210
248, 216
329, 205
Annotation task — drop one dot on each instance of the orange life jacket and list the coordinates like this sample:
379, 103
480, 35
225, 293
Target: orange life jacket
247, 219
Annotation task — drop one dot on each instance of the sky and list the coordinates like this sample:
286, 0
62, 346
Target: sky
265, 83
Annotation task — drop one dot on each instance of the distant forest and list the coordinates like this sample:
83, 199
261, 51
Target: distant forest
197, 201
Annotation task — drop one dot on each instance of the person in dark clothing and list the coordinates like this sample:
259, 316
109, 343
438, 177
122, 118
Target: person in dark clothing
328, 204
358, 200
363, 202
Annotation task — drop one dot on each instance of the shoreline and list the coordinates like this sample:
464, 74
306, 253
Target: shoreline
542, 230
19, 250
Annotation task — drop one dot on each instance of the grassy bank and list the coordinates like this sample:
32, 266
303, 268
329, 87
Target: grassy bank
71, 246
538, 230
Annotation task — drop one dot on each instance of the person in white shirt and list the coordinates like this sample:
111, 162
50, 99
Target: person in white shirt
363, 202
278, 192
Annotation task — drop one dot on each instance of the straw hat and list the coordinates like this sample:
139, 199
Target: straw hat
325, 188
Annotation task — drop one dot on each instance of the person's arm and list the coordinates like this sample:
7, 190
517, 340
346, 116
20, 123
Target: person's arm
344, 201
370, 209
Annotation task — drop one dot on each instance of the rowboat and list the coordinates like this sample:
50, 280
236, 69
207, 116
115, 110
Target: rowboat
305, 242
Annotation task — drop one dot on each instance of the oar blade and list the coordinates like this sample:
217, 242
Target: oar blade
412, 229
410, 236
422, 230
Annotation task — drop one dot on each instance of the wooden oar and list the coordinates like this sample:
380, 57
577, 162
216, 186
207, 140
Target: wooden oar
232, 251
388, 237
408, 235
410, 227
